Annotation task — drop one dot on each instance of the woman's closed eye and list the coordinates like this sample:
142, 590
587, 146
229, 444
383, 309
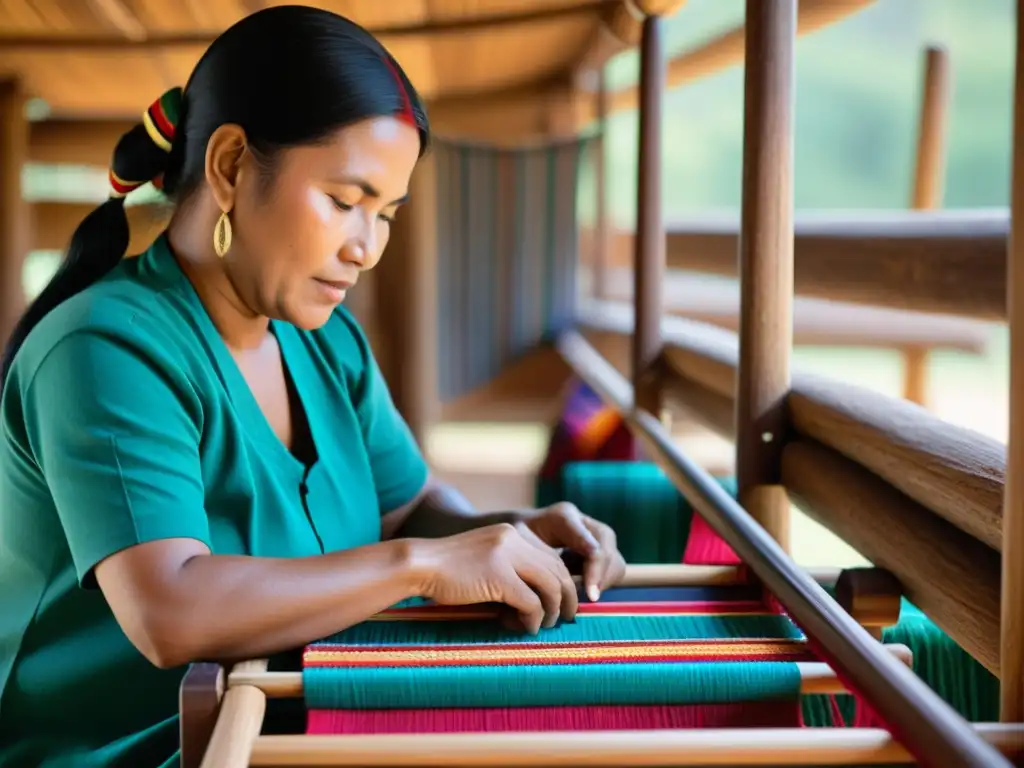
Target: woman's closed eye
346, 207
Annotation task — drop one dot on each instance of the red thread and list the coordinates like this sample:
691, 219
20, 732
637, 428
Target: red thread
406, 114
752, 714
705, 547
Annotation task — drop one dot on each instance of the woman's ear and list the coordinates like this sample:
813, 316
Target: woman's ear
224, 153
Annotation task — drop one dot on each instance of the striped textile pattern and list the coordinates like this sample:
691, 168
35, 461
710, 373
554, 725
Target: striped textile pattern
507, 255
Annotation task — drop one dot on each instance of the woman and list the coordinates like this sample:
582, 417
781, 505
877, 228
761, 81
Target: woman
200, 459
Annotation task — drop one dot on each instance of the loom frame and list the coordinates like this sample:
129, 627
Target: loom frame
222, 712
959, 264
756, 526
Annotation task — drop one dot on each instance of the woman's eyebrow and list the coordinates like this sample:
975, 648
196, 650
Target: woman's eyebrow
368, 189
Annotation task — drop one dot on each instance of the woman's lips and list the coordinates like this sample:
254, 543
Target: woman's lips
334, 290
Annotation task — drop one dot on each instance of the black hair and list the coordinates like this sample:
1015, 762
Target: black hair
288, 75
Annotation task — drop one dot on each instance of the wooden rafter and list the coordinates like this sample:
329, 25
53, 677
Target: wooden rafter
118, 15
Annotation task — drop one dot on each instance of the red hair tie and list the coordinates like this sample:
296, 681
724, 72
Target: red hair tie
406, 113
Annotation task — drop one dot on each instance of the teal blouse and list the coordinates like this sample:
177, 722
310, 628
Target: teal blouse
125, 420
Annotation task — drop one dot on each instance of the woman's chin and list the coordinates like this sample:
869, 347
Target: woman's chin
309, 317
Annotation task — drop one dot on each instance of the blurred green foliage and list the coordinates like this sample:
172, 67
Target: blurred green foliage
858, 92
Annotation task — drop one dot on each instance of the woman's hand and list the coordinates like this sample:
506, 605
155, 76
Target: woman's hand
496, 564
563, 525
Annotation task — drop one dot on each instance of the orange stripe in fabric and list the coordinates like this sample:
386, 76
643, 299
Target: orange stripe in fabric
665, 652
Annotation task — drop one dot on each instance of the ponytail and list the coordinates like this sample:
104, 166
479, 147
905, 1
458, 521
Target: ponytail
100, 241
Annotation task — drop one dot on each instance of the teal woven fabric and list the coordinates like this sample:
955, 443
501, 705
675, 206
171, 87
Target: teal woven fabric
649, 516
947, 668
564, 685
943, 665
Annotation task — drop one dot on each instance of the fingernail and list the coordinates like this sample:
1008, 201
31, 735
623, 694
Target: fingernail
593, 593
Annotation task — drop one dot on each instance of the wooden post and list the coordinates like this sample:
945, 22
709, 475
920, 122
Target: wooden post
872, 596
649, 253
933, 129
766, 263
602, 227
1011, 640
15, 227
915, 374
406, 302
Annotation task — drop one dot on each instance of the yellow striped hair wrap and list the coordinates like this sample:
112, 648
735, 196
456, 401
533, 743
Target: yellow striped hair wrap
135, 165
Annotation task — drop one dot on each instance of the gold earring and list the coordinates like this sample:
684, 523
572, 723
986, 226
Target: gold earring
222, 235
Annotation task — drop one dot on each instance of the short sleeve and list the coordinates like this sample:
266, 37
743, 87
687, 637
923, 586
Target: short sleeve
399, 469
115, 431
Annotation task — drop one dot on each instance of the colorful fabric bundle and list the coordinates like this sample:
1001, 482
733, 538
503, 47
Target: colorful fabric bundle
587, 431
640, 658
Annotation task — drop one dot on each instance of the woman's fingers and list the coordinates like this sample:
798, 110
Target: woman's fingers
527, 603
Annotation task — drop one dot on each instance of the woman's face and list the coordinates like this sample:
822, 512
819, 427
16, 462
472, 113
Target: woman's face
301, 241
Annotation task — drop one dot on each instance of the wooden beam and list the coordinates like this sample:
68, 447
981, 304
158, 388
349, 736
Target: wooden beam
618, 30
120, 17
76, 142
815, 322
15, 224
949, 575
504, 117
715, 411
947, 262
956, 472
726, 50
507, 117
1011, 646
455, 26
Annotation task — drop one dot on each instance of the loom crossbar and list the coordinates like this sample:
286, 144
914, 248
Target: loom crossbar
815, 677
710, 747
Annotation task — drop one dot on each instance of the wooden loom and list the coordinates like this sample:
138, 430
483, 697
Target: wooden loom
921, 499
756, 527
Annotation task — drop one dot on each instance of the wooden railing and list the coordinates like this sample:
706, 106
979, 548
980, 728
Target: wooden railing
947, 262
913, 495
936, 732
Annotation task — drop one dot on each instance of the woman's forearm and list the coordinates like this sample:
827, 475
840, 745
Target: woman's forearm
179, 610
